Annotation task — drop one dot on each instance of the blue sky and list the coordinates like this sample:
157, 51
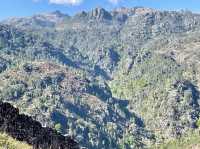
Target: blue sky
11, 8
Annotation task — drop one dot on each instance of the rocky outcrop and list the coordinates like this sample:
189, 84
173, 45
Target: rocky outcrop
24, 128
3, 64
100, 14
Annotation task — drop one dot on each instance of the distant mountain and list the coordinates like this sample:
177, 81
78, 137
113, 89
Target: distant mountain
126, 78
39, 21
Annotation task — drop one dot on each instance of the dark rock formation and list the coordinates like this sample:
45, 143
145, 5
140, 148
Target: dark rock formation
3, 64
24, 128
100, 14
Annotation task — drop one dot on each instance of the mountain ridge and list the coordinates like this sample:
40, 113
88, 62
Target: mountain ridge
118, 14
122, 79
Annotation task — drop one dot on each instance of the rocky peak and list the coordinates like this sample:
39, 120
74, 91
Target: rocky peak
143, 11
81, 15
100, 14
122, 14
134, 11
123, 10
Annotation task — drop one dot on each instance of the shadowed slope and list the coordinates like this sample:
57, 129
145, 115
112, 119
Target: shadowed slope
24, 128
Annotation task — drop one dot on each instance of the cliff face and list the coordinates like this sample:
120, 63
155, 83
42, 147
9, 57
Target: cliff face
24, 128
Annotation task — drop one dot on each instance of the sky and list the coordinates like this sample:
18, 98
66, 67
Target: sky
19, 8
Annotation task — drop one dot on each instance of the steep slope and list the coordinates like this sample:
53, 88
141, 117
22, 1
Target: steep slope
128, 78
24, 128
56, 94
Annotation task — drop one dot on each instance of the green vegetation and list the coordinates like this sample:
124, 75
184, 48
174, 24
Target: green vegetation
122, 79
188, 142
9, 143
198, 123
58, 127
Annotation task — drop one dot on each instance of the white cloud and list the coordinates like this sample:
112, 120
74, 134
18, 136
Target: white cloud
70, 2
114, 1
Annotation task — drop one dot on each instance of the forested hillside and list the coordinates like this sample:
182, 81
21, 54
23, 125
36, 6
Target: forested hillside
126, 78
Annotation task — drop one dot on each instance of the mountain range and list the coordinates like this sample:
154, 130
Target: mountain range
126, 78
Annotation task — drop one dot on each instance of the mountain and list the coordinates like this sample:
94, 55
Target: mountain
40, 21
126, 78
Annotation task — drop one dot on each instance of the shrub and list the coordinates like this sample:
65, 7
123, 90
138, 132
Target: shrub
198, 123
58, 127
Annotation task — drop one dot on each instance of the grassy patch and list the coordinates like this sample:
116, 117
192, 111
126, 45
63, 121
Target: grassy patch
7, 142
191, 141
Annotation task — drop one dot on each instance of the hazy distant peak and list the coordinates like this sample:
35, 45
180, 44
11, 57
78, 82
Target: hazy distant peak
142, 10
47, 19
56, 13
